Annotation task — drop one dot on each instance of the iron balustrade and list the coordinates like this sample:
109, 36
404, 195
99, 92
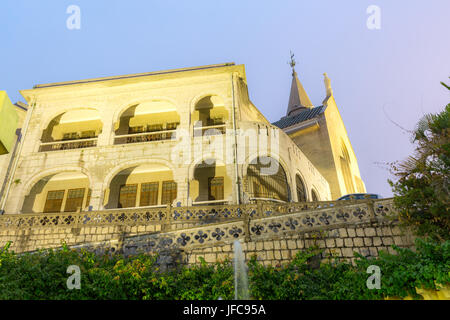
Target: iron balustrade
68, 144
145, 136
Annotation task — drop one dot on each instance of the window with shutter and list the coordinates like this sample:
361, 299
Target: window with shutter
169, 192
74, 200
215, 188
127, 197
149, 194
54, 201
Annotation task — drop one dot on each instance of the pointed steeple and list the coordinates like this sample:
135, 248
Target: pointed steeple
298, 99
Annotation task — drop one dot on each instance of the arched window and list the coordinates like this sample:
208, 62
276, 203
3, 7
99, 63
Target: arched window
147, 121
209, 116
61, 192
266, 179
78, 128
210, 183
142, 186
301, 190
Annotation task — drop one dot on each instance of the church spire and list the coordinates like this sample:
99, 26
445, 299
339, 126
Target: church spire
298, 99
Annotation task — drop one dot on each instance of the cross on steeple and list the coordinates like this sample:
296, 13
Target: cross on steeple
298, 98
292, 62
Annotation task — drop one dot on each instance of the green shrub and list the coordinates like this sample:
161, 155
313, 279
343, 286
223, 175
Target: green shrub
42, 275
421, 192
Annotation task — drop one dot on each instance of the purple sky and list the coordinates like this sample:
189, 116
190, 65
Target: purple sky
377, 75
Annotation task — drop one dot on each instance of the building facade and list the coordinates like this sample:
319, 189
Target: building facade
179, 137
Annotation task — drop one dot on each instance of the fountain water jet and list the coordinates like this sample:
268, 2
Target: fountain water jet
240, 274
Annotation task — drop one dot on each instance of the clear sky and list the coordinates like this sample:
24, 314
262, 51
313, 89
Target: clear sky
379, 76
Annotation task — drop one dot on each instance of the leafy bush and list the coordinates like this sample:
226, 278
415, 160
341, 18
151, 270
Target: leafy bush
43, 275
422, 191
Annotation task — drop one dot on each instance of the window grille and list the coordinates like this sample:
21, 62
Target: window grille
273, 186
301, 190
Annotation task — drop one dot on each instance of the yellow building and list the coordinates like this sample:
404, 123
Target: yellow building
178, 137
11, 120
8, 123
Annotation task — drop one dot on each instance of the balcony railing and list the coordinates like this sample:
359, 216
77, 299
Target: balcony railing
68, 144
145, 137
316, 213
208, 202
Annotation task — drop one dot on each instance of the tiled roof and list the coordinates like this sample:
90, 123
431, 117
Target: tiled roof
300, 117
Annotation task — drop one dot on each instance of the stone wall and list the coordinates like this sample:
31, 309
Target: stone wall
367, 239
272, 232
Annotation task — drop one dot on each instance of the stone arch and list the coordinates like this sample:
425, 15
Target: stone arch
55, 170
122, 174
121, 109
131, 163
209, 109
198, 160
200, 96
35, 186
144, 120
69, 129
45, 123
209, 180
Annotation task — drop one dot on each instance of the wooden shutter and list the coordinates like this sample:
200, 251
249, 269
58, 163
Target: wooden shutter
149, 194
215, 188
74, 200
70, 136
169, 192
54, 201
88, 134
138, 129
127, 197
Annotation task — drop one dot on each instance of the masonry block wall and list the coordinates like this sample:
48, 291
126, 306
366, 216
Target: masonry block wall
366, 239
274, 239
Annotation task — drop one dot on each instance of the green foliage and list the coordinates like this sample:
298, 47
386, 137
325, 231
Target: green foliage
43, 275
337, 280
422, 191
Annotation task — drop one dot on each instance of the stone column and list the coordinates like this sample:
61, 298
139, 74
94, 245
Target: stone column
106, 137
96, 197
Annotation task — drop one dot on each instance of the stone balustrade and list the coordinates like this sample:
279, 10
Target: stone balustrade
313, 214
